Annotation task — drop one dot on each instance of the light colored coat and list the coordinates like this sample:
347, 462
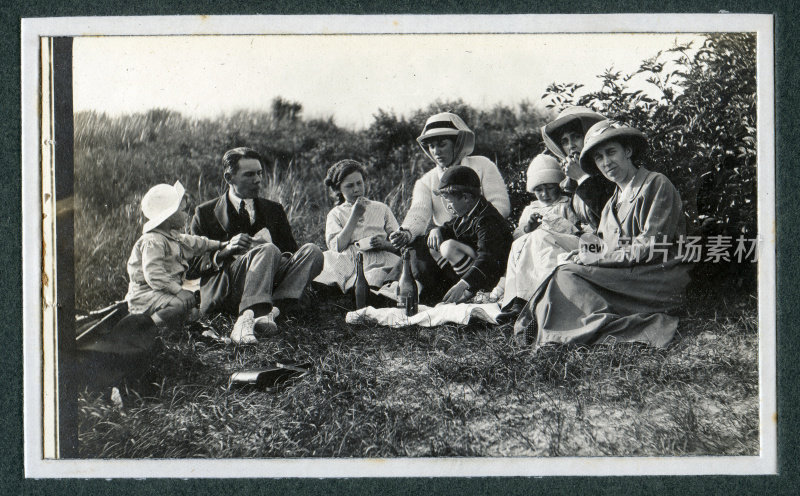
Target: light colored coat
561, 208
158, 264
626, 295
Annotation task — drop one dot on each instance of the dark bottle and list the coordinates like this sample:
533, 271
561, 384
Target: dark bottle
407, 296
268, 377
361, 287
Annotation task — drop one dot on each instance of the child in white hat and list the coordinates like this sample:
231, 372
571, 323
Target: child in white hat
551, 207
159, 259
551, 210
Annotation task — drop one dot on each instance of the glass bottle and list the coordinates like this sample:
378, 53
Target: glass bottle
361, 287
407, 295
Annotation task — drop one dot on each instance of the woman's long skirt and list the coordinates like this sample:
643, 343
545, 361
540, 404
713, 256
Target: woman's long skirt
340, 268
587, 304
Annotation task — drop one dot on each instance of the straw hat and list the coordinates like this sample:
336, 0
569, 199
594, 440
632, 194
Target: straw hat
160, 202
543, 169
551, 130
610, 130
448, 124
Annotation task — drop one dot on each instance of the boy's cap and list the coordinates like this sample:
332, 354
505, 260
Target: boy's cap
544, 169
160, 202
457, 179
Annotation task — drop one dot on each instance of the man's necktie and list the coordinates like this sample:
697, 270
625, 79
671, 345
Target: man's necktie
243, 214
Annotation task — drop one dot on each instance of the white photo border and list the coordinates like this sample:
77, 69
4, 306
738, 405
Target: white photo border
37, 466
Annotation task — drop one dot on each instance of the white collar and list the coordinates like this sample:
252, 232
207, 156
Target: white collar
236, 201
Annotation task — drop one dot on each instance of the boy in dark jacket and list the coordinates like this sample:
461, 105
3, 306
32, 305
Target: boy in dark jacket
472, 248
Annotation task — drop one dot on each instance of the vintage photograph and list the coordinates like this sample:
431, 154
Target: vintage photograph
529, 245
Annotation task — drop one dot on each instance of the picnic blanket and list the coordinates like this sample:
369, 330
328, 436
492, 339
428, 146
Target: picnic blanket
443, 313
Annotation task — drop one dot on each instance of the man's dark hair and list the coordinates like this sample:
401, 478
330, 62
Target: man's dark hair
230, 161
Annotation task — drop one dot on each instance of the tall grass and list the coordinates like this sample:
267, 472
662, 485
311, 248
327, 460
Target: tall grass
448, 391
117, 159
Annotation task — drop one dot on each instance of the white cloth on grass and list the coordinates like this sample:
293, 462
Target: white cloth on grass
443, 313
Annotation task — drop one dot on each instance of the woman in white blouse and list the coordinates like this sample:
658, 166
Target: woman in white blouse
356, 224
448, 141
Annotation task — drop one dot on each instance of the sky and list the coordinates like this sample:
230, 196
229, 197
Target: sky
347, 77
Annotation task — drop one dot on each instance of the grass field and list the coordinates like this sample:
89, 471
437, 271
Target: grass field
446, 391
375, 391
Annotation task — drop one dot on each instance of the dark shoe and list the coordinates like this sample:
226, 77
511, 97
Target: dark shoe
136, 333
511, 311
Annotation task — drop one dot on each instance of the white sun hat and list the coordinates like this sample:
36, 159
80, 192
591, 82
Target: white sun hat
160, 202
544, 169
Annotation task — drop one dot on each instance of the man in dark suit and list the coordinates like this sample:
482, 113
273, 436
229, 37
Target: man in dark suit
260, 262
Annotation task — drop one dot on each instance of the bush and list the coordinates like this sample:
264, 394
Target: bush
701, 124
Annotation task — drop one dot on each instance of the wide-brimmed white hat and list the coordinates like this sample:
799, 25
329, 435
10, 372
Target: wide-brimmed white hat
544, 169
160, 202
448, 124
610, 130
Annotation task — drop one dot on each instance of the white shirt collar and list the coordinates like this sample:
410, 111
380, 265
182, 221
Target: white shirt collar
249, 204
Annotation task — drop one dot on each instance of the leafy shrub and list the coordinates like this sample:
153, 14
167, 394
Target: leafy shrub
699, 113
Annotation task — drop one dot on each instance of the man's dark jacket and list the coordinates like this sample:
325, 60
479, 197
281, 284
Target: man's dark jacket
218, 219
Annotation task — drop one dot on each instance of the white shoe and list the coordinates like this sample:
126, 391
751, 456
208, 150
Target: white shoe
242, 332
266, 323
499, 291
388, 290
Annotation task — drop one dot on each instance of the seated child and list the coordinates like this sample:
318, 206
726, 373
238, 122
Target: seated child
356, 224
550, 208
471, 249
160, 258
532, 258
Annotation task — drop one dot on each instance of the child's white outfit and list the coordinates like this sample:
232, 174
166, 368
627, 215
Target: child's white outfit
340, 266
559, 209
157, 266
535, 254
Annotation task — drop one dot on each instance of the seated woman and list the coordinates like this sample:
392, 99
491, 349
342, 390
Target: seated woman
447, 141
534, 258
623, 293
564, 137
356, 224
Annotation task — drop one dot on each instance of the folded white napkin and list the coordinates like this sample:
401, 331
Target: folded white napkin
263, 236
